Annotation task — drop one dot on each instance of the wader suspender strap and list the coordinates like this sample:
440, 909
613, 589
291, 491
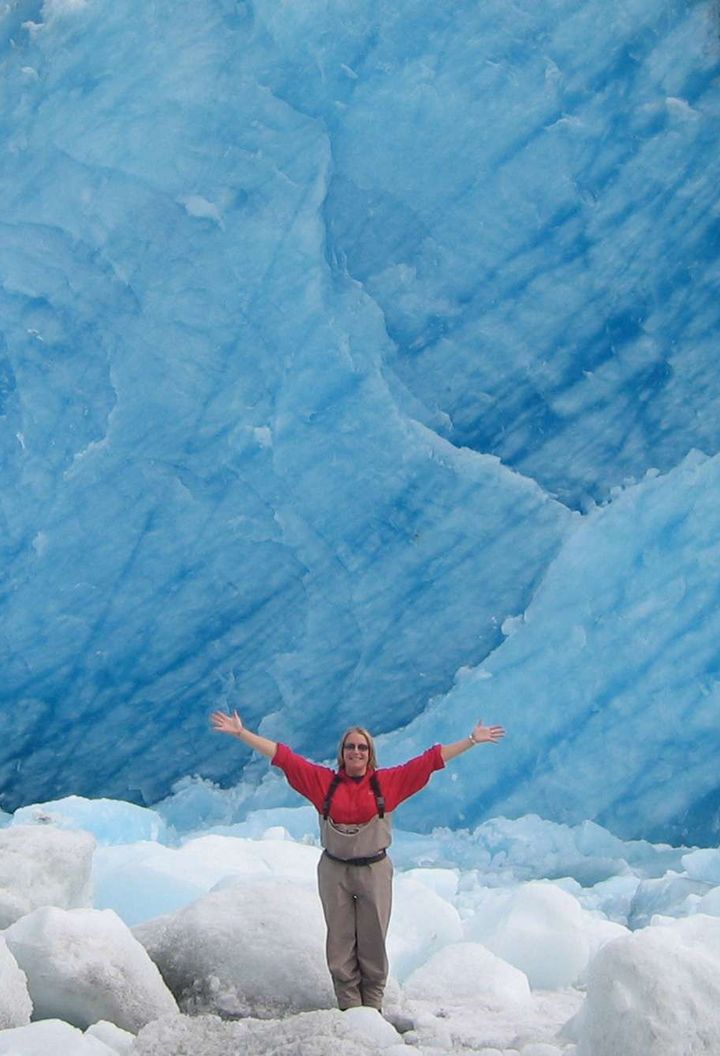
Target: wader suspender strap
330, 793
379, 798
374, 785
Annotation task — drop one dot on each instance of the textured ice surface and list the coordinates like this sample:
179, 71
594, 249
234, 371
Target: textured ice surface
84, 965
655, 991
358, 1032
608, 683
43, 866
15, 1003
252, 949
317, 322
467, 972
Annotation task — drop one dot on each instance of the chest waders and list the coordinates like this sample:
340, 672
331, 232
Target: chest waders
355, 884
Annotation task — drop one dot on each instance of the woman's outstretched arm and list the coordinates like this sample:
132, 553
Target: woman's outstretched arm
478, 735
232, 724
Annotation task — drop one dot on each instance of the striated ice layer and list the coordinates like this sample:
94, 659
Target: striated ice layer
316, 322
608, 682
541, 228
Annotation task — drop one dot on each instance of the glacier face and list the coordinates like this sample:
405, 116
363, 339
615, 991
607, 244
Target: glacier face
320, 324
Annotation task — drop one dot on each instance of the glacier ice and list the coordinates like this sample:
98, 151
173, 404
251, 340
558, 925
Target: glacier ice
358, 362
610, 685
324, 330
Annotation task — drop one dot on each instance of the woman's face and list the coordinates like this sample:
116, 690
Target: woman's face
356, 752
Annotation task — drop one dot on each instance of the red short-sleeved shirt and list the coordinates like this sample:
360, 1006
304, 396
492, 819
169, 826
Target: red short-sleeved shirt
353, 802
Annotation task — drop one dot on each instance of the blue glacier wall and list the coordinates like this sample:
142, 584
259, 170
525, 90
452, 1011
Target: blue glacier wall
351, 354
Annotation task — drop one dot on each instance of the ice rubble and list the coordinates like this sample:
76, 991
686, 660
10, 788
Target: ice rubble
492, 958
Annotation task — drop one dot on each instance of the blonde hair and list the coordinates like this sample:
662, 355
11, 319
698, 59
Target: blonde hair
372, 758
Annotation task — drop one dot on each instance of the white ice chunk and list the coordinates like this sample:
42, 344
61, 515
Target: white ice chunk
143, 881
84, 965
542, 930
15, 1003
703, 865
140, 881
52, 1037
666, 896
115, 1038
422, 922
444, 882
612, 897
710, 903
109, 820
655, 991
468, 972
253, 949
368, 1024
43, 866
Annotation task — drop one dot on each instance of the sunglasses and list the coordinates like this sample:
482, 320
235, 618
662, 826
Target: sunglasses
350, 747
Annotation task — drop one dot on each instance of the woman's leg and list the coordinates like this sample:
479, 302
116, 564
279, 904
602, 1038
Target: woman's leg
373, 887
339, 906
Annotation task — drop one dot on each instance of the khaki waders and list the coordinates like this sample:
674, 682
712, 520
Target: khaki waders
356, 900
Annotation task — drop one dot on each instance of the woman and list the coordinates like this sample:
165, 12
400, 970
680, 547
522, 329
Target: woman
354, 872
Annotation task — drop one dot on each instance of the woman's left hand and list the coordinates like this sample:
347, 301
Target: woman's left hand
487, 734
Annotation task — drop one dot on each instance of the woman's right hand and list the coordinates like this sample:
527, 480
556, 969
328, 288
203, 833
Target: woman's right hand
223, 723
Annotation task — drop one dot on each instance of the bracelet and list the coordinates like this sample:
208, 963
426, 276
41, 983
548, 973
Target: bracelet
472, 739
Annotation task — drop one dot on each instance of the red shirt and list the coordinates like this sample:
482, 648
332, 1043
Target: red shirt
353, 802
